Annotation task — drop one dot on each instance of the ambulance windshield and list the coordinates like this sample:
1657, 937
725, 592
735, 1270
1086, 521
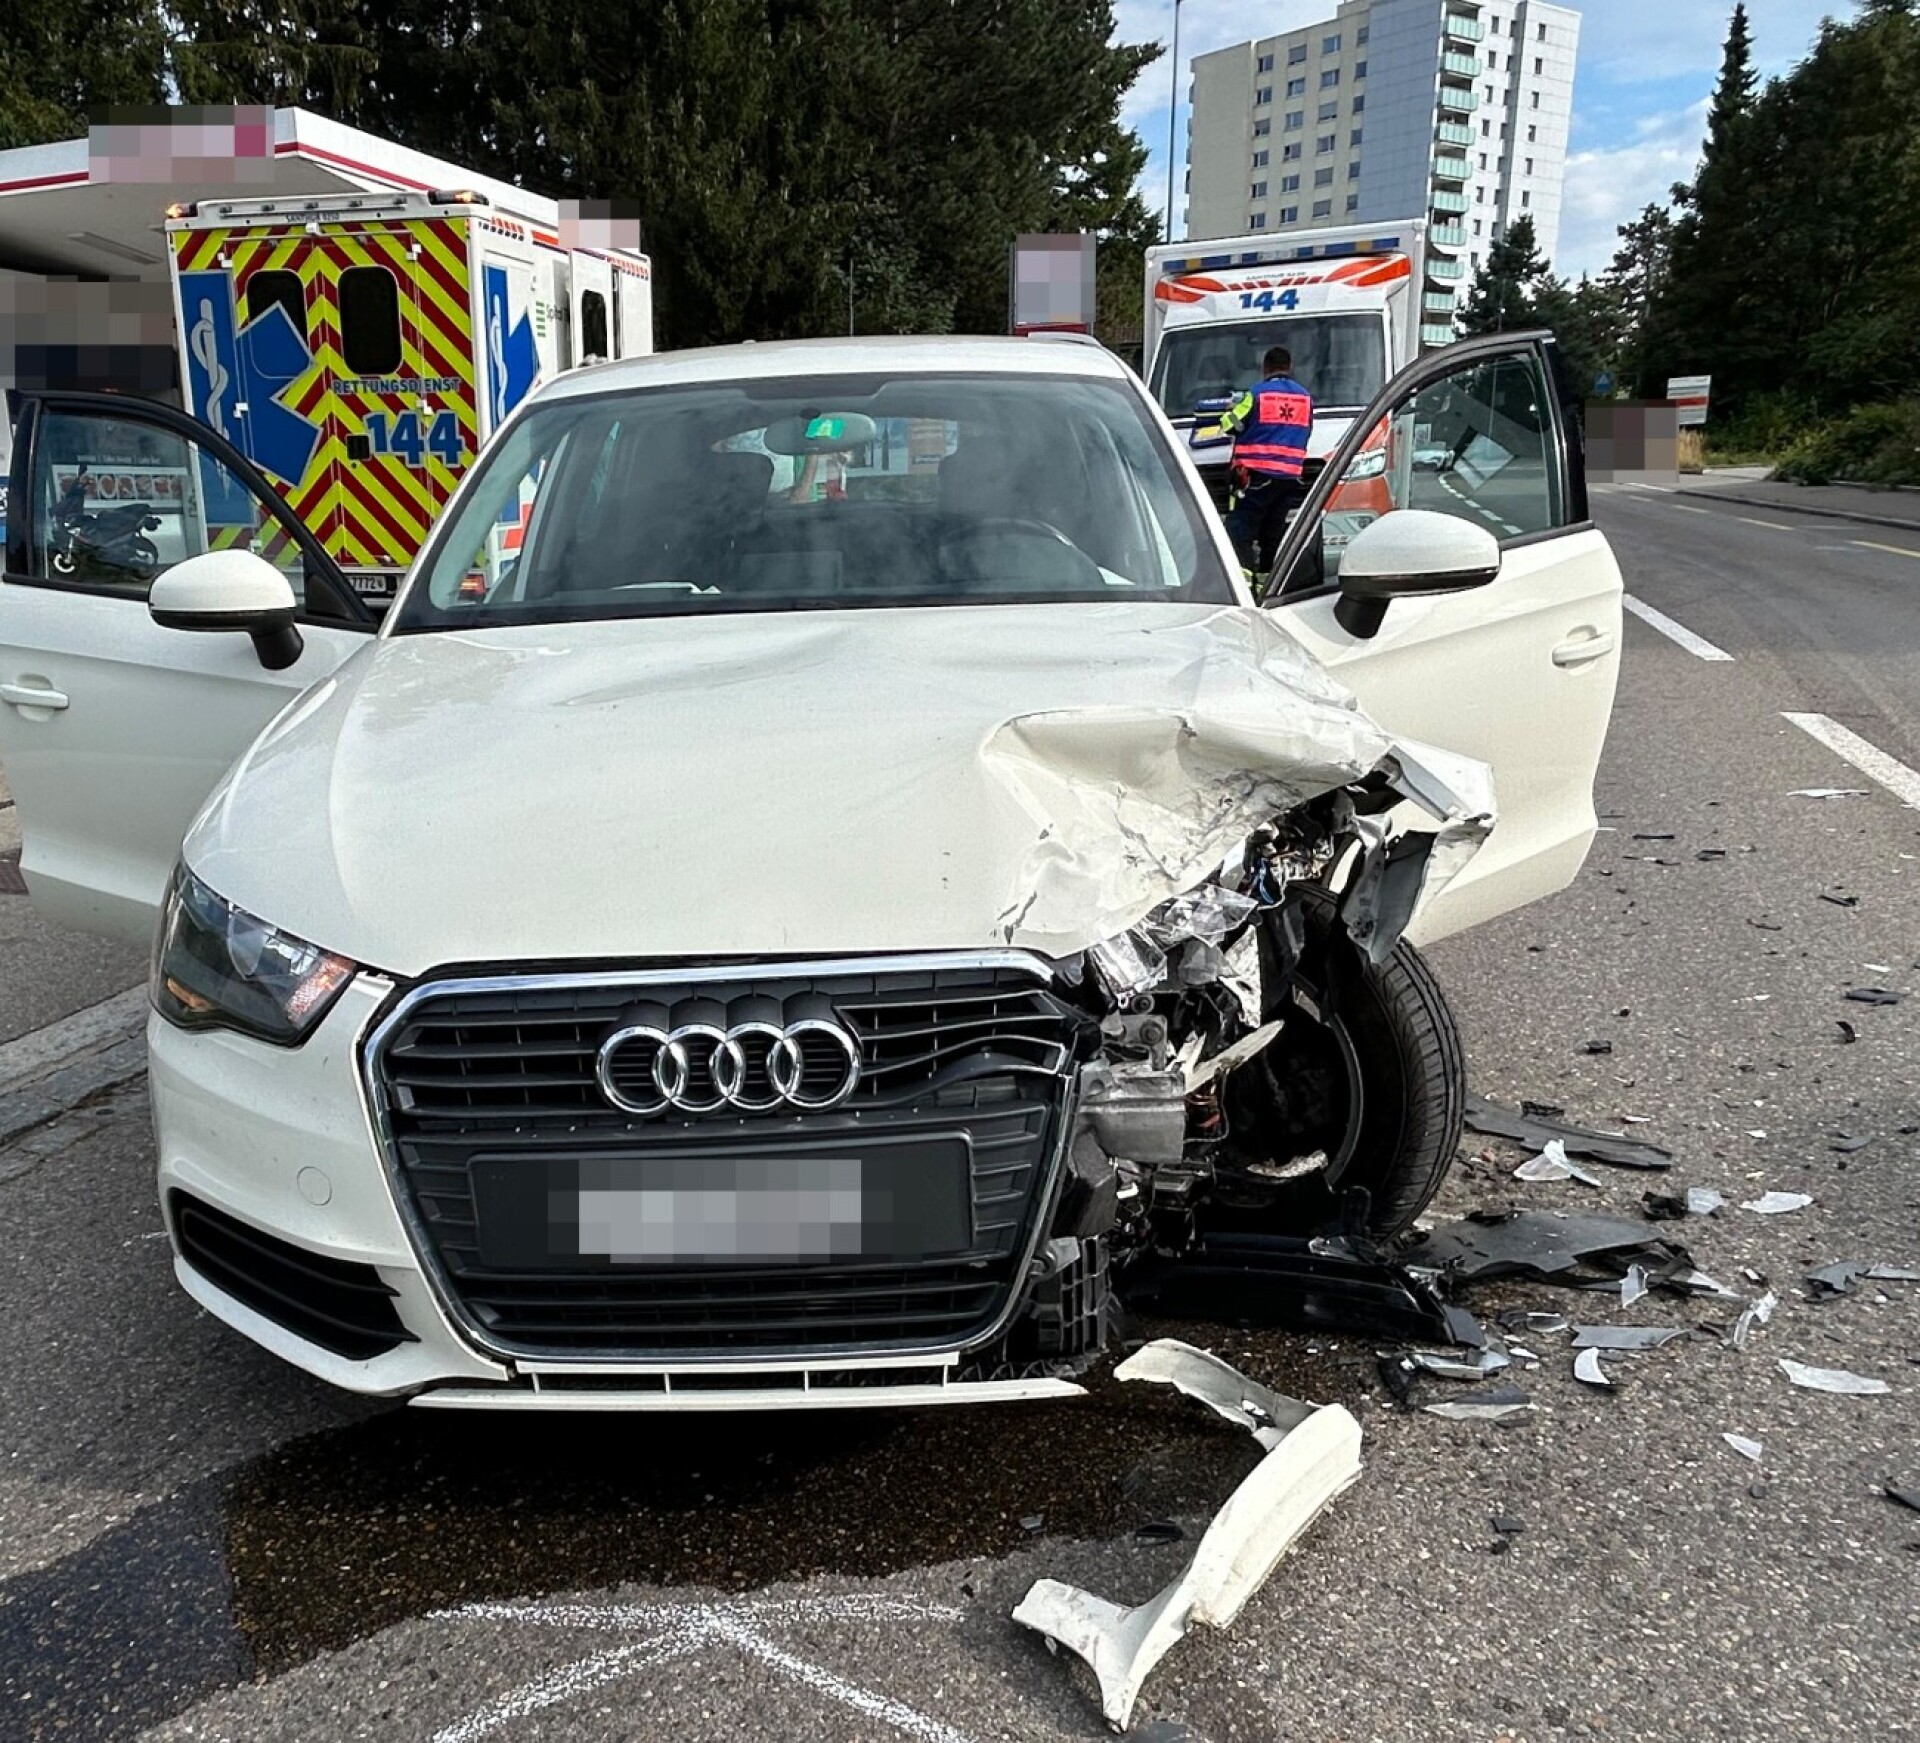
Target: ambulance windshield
1340, 359
831, 492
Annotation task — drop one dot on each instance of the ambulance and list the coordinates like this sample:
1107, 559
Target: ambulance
360, 347
1349, 303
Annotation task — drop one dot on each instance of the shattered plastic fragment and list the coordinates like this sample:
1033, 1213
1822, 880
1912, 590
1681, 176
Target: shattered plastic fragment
1308, 1463
1586, 1367
1493, 1121
1552, 1164
1828, 793
1450, 1365
1526, 1319
1894, 1273
1541, 1244
1872, 995
1747, 1449
1633, 1285
1489, 1404
1831, 1281
1777, 1203
1704, 1200
1755, 1313
1158, 1531
1908, 1498
1625, 1337
1833, 1380
1506, 1525
1849, 1146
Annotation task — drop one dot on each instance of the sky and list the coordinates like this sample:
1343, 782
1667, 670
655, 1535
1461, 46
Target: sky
1647, 68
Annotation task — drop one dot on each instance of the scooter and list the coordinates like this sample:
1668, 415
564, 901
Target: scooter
114, 538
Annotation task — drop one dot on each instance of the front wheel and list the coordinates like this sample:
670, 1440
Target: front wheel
1365, 1088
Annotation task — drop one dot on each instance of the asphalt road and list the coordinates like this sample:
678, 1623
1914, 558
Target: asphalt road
199, 1544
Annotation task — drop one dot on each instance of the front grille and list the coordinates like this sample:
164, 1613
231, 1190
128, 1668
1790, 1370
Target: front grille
341, 1306
486, 1072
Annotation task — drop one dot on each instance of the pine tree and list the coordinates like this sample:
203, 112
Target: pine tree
1637, 280
1502, 297
61, 60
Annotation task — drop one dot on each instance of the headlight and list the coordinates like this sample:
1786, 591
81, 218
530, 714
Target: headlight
216, 966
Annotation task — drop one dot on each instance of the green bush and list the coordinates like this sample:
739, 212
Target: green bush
1874, 444
1764, 428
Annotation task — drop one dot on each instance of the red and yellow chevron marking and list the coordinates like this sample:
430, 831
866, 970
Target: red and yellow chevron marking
370, 513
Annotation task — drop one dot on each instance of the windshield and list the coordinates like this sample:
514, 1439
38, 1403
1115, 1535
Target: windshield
836, 492
1340, 359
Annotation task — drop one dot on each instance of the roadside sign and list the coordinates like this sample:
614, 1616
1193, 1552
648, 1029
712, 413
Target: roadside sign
1691, 394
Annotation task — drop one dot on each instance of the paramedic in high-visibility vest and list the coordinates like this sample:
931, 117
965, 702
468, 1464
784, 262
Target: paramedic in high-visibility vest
1270, 424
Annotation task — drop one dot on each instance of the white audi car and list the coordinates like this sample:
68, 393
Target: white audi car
825, 867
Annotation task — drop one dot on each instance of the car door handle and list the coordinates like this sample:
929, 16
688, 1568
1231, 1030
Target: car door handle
32, 696
1589, 644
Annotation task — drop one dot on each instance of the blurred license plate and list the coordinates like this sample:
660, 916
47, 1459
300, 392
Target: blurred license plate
897, 1202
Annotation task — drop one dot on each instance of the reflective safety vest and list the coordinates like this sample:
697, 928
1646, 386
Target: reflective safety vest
1270, 425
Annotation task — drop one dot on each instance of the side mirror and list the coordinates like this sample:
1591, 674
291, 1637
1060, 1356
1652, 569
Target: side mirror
231, 590
1403, 555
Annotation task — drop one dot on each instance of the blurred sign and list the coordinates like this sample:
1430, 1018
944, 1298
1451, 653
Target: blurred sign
1691, 394
222, 144
1052, 284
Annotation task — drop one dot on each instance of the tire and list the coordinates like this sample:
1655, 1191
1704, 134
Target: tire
1388, 1031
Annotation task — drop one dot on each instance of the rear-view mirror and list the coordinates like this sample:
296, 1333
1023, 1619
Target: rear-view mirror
1406, 554
231, 590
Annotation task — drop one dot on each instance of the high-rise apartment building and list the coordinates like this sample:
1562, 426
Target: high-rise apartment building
1390, 109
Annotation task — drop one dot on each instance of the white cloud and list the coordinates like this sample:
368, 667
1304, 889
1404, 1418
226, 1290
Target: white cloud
1608, 187
1631, 40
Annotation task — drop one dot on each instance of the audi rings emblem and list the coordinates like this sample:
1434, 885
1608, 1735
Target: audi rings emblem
754, 1067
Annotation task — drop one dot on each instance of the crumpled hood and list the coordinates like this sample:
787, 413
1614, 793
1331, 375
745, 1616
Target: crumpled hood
775, 784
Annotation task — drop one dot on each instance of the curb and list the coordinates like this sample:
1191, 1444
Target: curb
1910, 524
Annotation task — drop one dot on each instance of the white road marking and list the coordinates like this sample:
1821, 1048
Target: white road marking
678, 1631
1899, 780
38, 1052
1775, 525
1636, 484
1696, 645
1894, 550
1682, 508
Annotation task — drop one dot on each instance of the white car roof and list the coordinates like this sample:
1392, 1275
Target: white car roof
816, 357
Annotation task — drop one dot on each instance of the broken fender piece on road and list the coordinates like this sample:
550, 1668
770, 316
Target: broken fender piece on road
1530, 1243
1833, 1380
1305, 1468
1832, 1281
1494, 1121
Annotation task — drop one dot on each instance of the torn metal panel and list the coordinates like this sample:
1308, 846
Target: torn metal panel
1313, 1454
1494, 1121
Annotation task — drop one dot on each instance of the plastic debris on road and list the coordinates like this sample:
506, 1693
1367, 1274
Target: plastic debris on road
1704, 1200
1828, 793
1625, 1337
1633, 1285
1539, 1128
1756, 1313
1488, 1404
1908, 1498
1312, 1455
1452, 1365
1833, 1380
1747, 1449
1573, 1247
1872, 995
1586, 1367
1552, 1164
1777, 1203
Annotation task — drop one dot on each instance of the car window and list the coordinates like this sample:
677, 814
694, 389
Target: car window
117, 500
1478, 444
792, 494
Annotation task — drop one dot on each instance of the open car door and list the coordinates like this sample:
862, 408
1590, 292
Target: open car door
1514, 665
113, 729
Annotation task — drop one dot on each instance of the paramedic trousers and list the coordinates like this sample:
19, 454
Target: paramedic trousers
1258, 520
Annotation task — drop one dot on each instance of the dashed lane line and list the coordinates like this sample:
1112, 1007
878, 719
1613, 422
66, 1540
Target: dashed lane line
1895, 550
1697, 645
1899, 780
1682, 508
1778, 526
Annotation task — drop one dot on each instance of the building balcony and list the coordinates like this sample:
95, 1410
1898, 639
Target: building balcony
1447, 168
1461, 28
1462, 66
1440, 266
1448, 235
1446, 204
1460, 99
1436, 334
1437, 302
1453, 133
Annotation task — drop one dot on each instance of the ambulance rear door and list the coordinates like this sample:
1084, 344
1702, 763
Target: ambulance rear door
633, 310
590, 304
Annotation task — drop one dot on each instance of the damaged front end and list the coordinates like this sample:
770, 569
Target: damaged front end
1230, 1103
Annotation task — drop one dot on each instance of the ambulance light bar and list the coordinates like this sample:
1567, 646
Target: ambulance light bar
457, 197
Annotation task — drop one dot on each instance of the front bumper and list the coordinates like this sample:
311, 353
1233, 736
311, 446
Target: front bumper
291, 1223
